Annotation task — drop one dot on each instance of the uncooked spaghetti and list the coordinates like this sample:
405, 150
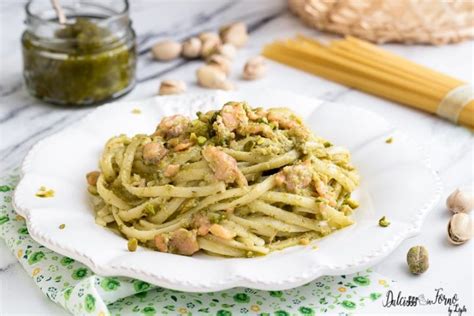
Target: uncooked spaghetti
359, 64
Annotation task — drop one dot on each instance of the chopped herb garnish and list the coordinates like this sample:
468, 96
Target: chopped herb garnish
389, 140
62, 226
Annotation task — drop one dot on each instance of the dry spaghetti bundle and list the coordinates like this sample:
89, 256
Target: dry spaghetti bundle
361, 65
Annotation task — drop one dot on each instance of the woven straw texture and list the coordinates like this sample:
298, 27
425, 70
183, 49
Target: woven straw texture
405, 21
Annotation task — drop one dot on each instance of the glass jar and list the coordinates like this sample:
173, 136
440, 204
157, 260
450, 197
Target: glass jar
88, 60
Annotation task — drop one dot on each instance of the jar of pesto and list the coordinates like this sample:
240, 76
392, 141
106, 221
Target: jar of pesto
89, 59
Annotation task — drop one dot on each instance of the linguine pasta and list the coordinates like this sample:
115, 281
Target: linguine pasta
237, 182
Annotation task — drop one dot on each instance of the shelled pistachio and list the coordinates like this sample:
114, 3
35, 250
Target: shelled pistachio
418, 259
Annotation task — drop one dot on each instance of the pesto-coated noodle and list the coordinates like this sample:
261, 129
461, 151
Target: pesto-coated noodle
237, 182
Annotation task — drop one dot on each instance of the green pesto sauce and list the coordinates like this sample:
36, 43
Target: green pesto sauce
87, 66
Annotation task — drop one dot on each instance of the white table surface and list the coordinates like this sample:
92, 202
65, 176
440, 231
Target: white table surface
24, 121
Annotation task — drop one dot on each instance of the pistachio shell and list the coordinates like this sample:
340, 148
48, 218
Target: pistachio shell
210, 76
235, 34
166, 50
209, 47
209, 36
168, 87
192, 48
254, 68
221, 62
460, 201
460, 228
227, 50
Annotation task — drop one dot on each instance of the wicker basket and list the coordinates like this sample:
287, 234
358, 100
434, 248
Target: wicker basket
405, 21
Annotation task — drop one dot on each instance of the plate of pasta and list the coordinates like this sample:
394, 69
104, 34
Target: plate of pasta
205, 192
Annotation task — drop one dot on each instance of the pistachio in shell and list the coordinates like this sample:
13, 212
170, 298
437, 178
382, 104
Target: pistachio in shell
460, 228
460, 202
192, 48
166, 50
235, 34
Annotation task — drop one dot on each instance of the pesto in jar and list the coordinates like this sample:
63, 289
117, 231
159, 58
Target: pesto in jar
81, 63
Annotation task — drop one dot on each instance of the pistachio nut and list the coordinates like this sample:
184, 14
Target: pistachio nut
254, 68
210, 76
205, 36
235, 34
384, 222
221, 62
460, 201
227, 50
192, 48
209, 47
459, 228
172, 87
166, 50
418, 260
132, 244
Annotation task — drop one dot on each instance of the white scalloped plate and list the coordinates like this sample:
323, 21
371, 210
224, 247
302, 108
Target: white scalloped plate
396, 181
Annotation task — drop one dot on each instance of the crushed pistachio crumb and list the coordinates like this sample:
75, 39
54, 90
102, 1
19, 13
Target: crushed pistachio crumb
62, 226
263, 120
384, 222
315, 247
132, 244
389, 140
327, 144
304, 241
44, 192
249, 145
136, 111
150, 209
201, 140
352, 203
260, 141
250, 254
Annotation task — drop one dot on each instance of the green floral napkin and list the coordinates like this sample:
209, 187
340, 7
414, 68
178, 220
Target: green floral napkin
81, 292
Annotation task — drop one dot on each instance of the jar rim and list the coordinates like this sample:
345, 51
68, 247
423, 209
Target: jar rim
38, 18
